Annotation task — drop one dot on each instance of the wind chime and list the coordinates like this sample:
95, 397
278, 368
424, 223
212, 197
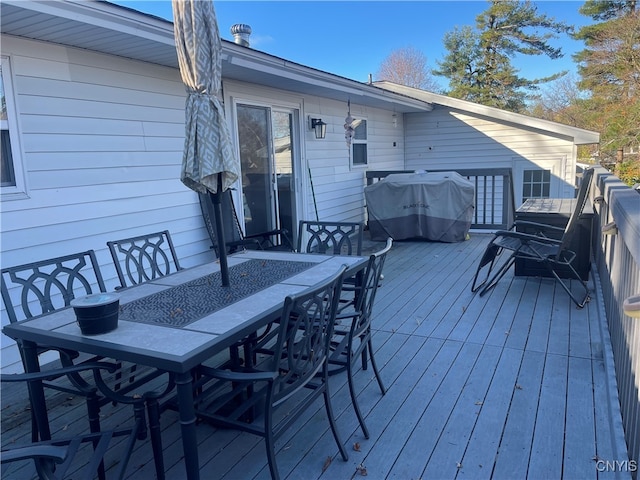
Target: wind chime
349, 129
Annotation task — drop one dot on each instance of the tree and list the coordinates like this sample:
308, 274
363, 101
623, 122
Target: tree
559, 102
408, 66
562, 101
609, 68
478, 64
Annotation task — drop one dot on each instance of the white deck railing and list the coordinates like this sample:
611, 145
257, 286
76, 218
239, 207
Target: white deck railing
617, 258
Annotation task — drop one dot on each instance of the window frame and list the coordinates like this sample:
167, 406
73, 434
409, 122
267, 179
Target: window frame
360, 141
542, 183
19, 190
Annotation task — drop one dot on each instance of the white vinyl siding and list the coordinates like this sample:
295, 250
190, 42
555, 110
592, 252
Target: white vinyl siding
448, 139
325, 168
102, 140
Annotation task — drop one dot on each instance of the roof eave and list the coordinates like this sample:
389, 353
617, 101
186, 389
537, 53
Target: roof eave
580, 136
139, 36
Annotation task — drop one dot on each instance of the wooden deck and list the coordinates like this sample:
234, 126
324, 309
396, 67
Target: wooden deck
516, 384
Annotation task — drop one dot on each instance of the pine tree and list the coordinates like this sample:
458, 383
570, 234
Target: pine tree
609, 68
478, 64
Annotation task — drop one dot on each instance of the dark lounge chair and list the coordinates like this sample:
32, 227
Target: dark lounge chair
540, 247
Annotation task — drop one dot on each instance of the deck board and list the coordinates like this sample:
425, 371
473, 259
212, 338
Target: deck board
484, 442
546, 458
514, 384
580, 428
513, 455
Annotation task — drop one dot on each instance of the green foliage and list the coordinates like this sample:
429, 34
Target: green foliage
629, 172
609, 68
478, 64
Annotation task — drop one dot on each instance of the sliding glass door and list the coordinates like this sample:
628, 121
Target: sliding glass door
267, 153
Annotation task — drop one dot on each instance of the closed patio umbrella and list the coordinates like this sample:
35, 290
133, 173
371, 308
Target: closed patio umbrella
209, 163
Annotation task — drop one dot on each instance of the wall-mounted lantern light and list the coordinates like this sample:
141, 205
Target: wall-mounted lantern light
318, 126
394, 120
610, 229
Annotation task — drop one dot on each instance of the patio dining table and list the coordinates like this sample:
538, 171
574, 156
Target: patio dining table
179, 321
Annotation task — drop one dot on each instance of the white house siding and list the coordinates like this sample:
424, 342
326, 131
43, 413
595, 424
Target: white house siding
446, 138
102, 141
338, 187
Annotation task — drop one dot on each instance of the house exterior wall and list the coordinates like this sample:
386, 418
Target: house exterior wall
324, 168
339, 186
101, 140
101, 145
447, 138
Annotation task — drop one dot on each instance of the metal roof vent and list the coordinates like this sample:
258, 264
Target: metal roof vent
241, 34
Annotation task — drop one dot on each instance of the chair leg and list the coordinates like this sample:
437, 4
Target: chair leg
354, 399
585, 299
332, 420
383, 390
488, 258
498, 275
35, 435
269, 442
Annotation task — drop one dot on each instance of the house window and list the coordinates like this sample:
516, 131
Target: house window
12, 179
536, 184
359, 143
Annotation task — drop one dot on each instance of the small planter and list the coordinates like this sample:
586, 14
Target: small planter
97, 313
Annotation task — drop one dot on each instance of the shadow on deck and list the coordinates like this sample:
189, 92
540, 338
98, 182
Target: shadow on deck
516, 384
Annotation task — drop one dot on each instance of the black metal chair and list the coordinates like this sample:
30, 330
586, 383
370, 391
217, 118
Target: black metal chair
54, 458
541, 247
235, 239
276, 389
352, 333
45, 286
334, 238
143, 258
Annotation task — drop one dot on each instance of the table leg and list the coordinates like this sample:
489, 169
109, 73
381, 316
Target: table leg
36, 390
184, 386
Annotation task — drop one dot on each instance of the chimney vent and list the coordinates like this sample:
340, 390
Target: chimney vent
241, 34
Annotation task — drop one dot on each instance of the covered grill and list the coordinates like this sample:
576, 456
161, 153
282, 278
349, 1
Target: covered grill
434, 206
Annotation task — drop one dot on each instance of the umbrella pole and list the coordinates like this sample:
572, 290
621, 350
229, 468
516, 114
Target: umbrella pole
222, 248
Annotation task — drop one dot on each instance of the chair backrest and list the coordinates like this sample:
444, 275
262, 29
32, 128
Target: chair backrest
234, 235
48, 285
304, 336
143, 258
232, 232
335, 238
367, 293
581, 201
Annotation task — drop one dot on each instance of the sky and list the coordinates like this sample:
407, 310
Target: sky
352, 38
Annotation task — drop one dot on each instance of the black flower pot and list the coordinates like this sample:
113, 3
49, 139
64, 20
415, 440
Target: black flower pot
97, 313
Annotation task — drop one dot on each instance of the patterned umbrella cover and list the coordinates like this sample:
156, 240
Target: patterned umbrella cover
208, 151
